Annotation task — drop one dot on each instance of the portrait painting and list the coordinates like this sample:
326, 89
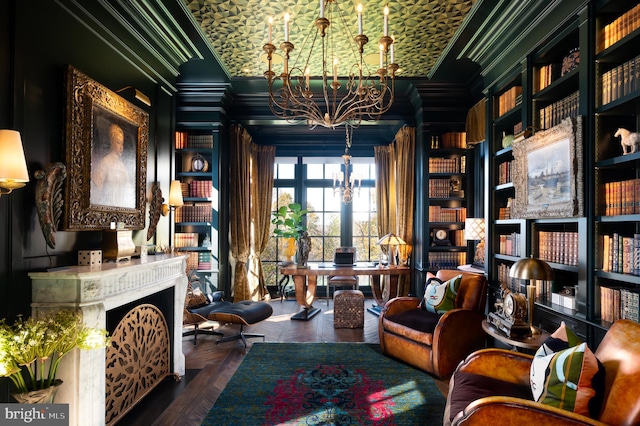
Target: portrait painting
106, 153
548, 172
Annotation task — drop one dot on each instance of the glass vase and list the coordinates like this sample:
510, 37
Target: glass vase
40, 396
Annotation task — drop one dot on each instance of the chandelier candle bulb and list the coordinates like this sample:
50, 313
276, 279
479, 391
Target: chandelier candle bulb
393, 40
286, 27
360, 18
322, 8
270, 28
307, 76
386, 22
335, 69
381, 55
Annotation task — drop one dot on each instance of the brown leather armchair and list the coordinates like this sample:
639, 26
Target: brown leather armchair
405, 335
619, 352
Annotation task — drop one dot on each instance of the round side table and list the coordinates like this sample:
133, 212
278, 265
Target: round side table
531, 343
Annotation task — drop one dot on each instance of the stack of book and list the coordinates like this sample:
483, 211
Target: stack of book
509, 244
558, 247
447, 214
621, 254
622, 197
619, 303
509, 100
621, 80
454, 140
194, 212
444, 165
553, 114
185, 239
446, 260
620, 27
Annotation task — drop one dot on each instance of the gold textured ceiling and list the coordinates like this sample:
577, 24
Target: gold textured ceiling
237, 29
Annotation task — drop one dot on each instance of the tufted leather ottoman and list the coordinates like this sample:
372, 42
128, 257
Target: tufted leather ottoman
348, 309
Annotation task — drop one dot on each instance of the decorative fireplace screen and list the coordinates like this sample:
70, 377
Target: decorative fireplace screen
136, 361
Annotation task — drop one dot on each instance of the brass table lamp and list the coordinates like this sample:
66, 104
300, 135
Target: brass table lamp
531, 269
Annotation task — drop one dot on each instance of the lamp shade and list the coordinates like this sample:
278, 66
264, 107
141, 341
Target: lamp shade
13, 166
531, 269
175, 194
391, 240
474, 229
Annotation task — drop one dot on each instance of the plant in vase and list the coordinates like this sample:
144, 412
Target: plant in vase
289, 222
31, 351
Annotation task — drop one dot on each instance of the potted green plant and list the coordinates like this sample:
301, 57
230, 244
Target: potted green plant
31, 351
289, 222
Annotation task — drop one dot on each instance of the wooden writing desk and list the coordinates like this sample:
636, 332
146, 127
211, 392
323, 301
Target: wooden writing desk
305, 281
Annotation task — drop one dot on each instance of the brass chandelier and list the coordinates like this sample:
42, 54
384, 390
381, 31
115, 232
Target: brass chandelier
365, 96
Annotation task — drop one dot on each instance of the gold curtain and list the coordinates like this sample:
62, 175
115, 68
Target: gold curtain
395, 193
475, 124
239, 209
262, 159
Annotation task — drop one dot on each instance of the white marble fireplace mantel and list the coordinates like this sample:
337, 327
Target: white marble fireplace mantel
94, 290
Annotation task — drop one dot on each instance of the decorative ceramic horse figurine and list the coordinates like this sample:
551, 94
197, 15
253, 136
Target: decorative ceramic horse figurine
629, 141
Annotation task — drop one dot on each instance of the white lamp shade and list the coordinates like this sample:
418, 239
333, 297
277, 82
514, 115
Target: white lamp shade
391, 240
474, 229
175, 194
13, 166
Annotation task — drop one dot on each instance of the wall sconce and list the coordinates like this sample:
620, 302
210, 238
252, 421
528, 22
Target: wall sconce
531, 269
474, 230
390, 240
175, 197
13, 165
138, 95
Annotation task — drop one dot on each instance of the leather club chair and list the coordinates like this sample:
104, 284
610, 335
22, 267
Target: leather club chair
407, 334
619, 353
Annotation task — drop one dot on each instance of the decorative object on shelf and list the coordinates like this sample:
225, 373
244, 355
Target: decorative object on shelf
49, 199
474, 230
289, 224
548, 173
456, 190
36, 347
304, 248
440, 237
510, 314
117, 243
199, 163
175, 198
391, 241
347, 183
571, 61
628, 140
364, 98
13, 165
155, 209
507, 140
531, 269
90, 258
106, 157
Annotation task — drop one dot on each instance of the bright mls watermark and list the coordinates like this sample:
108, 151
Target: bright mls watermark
34, 414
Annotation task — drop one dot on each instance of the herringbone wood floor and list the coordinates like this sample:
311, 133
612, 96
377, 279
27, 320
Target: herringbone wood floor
188, 403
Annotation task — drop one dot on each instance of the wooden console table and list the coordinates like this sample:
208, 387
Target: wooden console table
305, 281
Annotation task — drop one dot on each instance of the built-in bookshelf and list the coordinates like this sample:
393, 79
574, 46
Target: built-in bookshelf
193, 222
588, 66
447, 208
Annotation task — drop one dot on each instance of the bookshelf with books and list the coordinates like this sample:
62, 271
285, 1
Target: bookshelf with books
446, 194
586, 66
617, 166
196, 168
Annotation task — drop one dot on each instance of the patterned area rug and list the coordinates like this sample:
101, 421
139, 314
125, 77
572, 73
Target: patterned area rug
326, 384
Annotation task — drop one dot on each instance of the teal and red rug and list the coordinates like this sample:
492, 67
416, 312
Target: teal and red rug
326, 384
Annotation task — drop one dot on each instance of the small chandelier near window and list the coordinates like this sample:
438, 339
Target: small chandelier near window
365, 96
347, 183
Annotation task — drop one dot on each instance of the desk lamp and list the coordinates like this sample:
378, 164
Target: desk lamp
531, 269
391, 240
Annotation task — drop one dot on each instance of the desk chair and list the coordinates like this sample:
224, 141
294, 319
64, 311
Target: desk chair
341, 281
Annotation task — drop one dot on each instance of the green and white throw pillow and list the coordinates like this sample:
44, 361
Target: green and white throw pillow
440, 297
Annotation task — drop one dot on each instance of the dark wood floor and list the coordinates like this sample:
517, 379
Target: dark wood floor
210, 365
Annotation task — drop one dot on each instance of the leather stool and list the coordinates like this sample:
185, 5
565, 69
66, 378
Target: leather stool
244, 313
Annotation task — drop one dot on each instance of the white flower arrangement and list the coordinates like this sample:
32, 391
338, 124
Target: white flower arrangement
36, 347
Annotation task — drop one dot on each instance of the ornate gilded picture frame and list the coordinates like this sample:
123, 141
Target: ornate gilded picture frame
106, 157
548, 173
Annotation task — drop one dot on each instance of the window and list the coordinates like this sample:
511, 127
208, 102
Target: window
330, 222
